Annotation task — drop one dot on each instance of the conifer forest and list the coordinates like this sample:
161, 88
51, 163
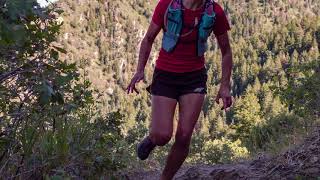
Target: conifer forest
64, 68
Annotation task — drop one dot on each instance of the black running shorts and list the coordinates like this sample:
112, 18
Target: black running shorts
173, 85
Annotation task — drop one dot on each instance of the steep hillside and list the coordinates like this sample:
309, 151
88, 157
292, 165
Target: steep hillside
301, 162
54, 125
104, 35
269, 40
267, 36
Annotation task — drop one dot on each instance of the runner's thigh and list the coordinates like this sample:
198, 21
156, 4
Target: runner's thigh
163, 109
190, 106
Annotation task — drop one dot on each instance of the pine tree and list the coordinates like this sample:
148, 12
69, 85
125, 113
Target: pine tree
247, 114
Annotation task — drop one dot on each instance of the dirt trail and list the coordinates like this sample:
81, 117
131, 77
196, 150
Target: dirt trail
302, 162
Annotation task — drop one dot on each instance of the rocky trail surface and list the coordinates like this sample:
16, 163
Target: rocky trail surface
302, 162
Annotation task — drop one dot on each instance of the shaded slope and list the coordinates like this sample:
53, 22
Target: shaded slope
300, 162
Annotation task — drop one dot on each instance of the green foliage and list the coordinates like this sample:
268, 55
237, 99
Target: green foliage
50, 126
223, 151
274, 134
247, 114
302, 92
268, 38
53, 125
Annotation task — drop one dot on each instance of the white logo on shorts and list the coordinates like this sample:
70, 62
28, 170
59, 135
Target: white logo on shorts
198, 89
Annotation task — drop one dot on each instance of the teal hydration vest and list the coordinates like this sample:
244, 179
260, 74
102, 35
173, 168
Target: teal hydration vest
173, 22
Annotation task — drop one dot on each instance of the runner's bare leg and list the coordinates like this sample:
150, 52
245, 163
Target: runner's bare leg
163, 109
190, 106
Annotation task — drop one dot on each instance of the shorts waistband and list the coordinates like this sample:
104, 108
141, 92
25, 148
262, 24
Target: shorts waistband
203, 69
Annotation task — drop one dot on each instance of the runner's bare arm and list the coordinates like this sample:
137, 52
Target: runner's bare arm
224, 44
146, 45
145, 48
224, 91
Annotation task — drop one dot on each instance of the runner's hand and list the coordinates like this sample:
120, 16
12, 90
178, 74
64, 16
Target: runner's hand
224, 94
136, 79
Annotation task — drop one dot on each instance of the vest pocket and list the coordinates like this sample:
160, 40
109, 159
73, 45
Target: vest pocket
169, 41
174, 24
206, 26
173, 29
205, 29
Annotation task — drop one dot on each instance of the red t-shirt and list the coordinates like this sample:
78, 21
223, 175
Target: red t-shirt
184, 58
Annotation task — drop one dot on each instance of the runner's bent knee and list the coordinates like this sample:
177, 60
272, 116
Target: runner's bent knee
160, 138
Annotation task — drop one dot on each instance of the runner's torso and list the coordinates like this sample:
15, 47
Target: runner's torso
184, 57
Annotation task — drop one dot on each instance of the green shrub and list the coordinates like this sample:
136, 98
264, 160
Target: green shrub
275, 133
223, 151
49, 122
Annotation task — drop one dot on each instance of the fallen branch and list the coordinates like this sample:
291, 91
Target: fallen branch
8, 75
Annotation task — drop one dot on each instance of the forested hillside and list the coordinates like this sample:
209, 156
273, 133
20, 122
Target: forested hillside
64, 111
268, 38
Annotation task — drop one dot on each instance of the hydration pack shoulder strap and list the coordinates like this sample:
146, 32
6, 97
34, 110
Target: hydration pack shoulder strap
173, 24
174, 5
205, 27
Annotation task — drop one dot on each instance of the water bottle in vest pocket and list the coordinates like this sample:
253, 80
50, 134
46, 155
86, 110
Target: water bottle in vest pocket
205, 29
174, 27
